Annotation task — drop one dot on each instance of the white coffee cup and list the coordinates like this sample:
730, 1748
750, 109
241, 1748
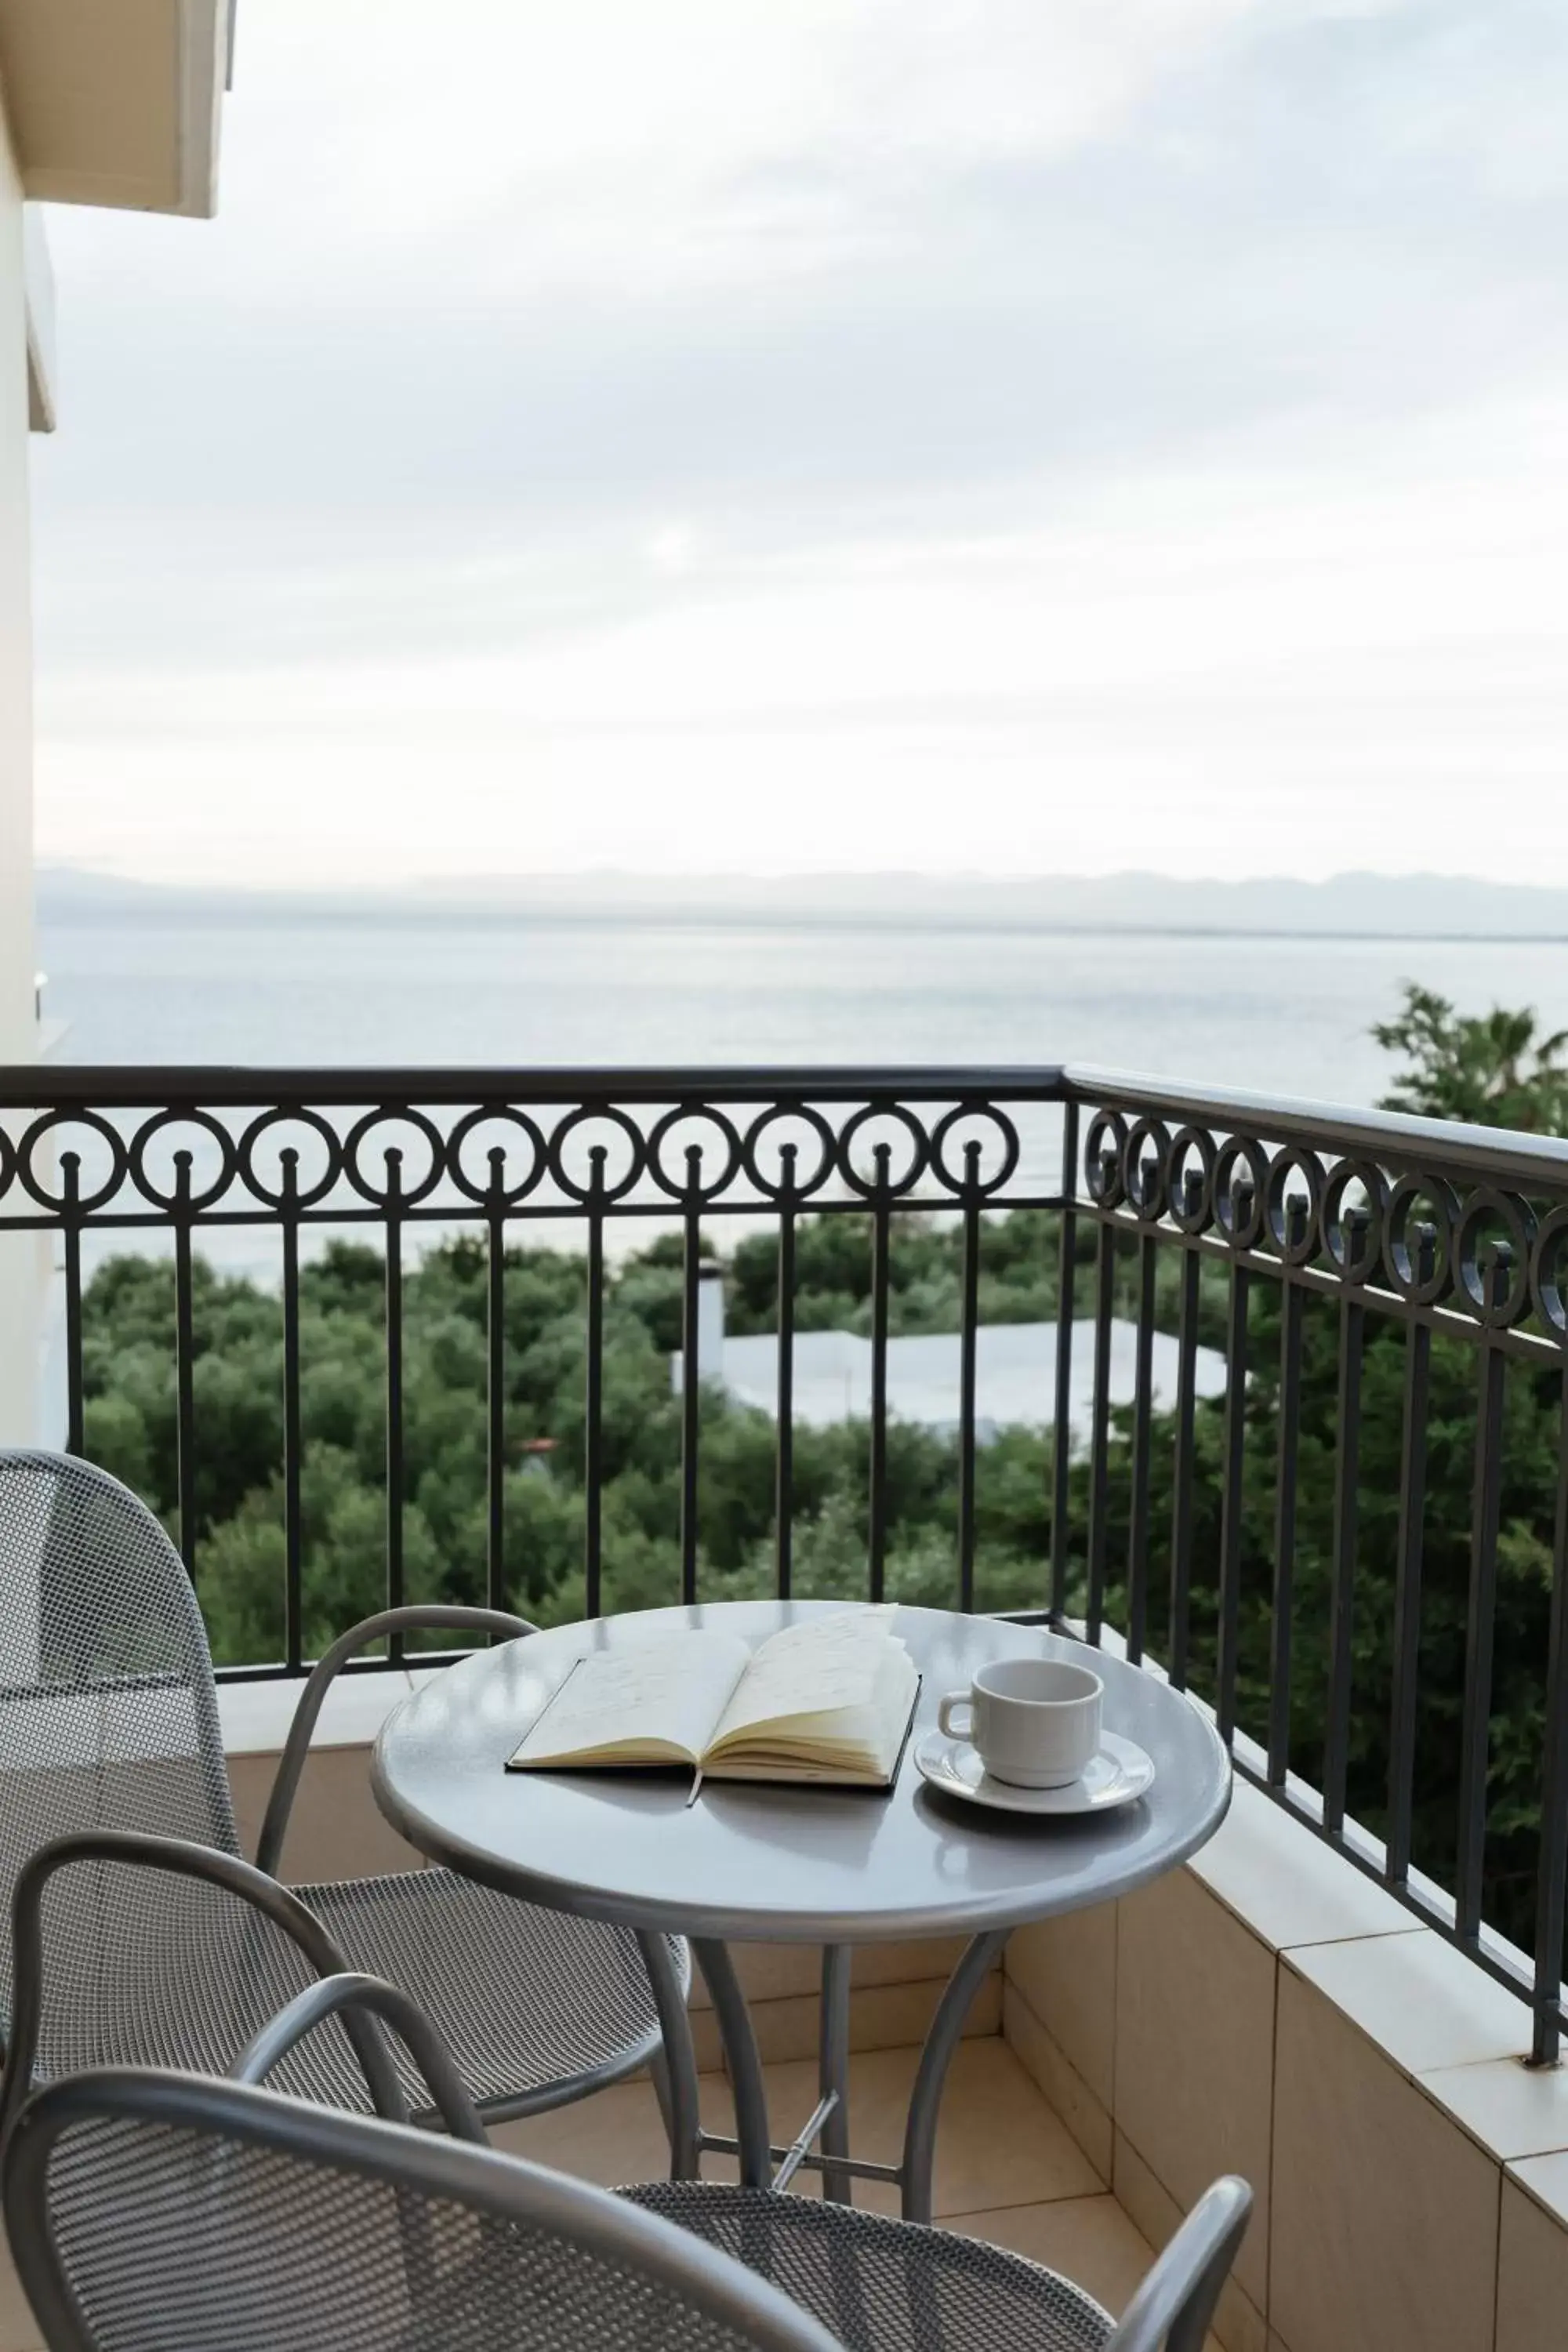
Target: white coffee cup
1034, 1721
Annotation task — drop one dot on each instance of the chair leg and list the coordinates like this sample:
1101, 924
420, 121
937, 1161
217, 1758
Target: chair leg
674, 2065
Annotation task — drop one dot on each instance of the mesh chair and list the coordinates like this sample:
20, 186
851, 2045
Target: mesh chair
154, 2212
139, 1933
879, 2285
882, 2285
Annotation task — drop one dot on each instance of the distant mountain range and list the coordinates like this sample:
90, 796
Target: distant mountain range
1376, 905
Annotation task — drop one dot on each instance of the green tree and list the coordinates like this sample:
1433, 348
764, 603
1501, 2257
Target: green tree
1493, 1069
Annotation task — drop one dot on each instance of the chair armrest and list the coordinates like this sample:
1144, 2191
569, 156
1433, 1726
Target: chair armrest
329, 1996
187, 1860
435, 1617
1172, 2310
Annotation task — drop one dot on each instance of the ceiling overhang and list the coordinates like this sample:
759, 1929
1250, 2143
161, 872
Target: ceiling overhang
116, 103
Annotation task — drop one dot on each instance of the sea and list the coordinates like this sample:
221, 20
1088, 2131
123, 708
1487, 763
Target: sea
1280, 1015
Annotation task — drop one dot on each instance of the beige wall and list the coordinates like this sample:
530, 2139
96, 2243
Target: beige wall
16, 956
20, 1257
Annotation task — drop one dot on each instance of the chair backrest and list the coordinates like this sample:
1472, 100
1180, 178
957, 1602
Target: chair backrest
155, 2212
1172, 2309
108, 1708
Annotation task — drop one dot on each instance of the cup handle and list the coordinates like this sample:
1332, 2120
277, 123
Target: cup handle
947, 1709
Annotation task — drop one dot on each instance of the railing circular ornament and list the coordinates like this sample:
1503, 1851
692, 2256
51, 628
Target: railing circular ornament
8, 1163
1546, 1279
1293, 1173
867, 1186
28, 1150
1146, 1168
689, 1185
1104, 1157
1190, 1207
171, 1121
355, 1143
495, 1115
1486, 1206
773, 1187
1332, 1216
1401, 1251
304, 1196
586, 1119
1241, 1163
987, 1115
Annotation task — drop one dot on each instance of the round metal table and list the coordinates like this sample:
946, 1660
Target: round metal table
774, 1864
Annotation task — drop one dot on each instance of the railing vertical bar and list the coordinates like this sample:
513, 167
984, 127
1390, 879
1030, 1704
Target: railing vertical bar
1481, 1623
690, 1382
495, 1388
76, 1411
1293, 1304
1143, 1408
1341, 1596
1100, 1427
1552, 1863
293, 1545
593, 1401
1407, 1578
395, 1593
784, 1469
881, 1245
969, 1330
1233, 1502
1061, 1432
184, 1364
1182, 1478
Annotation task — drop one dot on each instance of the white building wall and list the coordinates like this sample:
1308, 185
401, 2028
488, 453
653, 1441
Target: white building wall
21, 1258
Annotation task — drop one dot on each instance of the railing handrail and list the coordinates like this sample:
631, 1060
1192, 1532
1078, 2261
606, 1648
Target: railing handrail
228, 1085
1454, 1144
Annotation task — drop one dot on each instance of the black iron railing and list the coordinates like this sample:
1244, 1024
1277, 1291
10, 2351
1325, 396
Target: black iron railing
1384, 1299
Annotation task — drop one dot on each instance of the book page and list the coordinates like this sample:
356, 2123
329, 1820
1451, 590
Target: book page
825, 1665
655, 1704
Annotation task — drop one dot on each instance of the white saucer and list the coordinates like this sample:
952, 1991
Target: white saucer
1119, 1772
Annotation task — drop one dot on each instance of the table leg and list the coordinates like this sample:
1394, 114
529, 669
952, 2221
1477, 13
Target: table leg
745, 2065
833, 2070
946, 2026
674, 2066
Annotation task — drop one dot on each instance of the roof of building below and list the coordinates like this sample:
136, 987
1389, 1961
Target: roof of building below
1014, 1380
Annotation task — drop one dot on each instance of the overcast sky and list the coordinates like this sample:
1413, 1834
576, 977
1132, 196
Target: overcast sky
1015, 434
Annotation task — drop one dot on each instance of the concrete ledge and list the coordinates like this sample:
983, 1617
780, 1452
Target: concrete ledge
255, 1717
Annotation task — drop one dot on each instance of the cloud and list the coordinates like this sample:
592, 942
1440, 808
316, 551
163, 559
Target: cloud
591, 407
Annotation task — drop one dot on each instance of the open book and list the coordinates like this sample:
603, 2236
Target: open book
826, 1700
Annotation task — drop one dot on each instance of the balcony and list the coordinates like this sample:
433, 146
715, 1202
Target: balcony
1349, 1549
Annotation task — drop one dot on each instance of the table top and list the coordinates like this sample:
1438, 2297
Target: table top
768, 1860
